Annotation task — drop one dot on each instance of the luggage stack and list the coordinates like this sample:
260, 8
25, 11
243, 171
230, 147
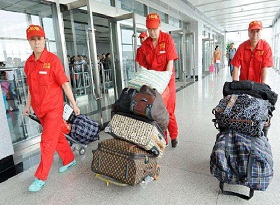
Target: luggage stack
138, 121
242, 154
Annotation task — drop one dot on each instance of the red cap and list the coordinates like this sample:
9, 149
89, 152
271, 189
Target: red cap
143, 35
153, 20
255, 25
34, 30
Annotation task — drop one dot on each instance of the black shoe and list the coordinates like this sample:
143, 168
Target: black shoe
174, 143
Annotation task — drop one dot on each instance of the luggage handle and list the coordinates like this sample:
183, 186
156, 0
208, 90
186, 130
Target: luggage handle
231, 193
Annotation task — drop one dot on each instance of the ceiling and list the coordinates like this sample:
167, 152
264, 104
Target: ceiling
235, 15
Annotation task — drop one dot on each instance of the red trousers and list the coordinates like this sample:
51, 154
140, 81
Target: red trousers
172, 125
52, 139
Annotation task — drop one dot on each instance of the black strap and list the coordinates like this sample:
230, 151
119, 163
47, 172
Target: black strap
231, 193
249, 169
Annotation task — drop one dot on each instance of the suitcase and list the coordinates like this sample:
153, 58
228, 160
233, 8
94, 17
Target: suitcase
146, 134
124, 161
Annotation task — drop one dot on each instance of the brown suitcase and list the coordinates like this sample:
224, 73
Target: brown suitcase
124, 161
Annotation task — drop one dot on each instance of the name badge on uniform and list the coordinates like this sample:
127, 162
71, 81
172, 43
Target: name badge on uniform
162, 52
43, 72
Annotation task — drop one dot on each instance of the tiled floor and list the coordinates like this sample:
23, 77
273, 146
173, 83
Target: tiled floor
184, 177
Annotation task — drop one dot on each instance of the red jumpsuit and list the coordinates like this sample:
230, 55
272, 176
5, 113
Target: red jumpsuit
252, 62
45, 78
157, 59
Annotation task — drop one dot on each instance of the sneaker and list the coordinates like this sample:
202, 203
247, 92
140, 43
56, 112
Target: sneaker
65, 168
174, 143
37, 185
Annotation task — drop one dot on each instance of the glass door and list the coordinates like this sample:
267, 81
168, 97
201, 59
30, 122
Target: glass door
84, 68
123, 40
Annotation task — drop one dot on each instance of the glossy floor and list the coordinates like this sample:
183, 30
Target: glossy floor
184, 177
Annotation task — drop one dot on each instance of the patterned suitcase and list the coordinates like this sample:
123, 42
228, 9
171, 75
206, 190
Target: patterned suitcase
147, 135
124, 161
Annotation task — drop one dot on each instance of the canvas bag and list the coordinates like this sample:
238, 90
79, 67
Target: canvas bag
242, 113
241, 159
146, 134
149, 103
84, 130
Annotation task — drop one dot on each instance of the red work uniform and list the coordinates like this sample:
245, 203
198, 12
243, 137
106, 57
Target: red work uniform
252, 62
45, 78
157, 59
139, 54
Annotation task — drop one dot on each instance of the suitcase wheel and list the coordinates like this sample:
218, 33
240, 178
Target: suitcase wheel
157, 172
82, 151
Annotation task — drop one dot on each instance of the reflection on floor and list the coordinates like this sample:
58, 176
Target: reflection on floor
184, 177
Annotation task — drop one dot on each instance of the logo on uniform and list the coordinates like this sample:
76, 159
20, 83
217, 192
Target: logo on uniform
162, 46
47, 65
261, 53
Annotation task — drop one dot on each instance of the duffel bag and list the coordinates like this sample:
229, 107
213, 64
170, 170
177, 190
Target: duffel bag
84, 130
255, 89
146, 134
242, 113
122, 104
241, 159
149, 103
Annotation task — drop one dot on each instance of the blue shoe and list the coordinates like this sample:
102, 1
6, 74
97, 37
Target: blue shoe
37, 185
65, 168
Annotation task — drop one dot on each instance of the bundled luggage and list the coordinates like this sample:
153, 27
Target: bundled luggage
242, 154
137, 124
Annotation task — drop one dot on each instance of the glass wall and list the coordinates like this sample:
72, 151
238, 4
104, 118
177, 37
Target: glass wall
14, 50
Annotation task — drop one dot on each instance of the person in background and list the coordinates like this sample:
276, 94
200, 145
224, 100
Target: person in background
46, 82
253, 57
231, 53
217, 59
143, 36
159, 53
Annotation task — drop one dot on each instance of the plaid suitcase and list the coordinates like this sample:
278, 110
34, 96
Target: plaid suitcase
241, 159
124, 161
144, 134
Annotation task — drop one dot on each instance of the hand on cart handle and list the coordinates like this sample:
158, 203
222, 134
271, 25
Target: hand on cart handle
76, 110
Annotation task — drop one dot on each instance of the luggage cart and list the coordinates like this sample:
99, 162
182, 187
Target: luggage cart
68, 115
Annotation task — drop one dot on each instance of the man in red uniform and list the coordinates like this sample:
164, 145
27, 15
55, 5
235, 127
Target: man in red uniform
143, 36
253, 56
46, 79
159, 53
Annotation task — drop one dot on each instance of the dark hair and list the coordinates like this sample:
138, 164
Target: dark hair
107, 55
216, 47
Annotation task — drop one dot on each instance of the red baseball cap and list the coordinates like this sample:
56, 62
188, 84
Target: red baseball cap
255, 25
143, 35
152, 21
34, 30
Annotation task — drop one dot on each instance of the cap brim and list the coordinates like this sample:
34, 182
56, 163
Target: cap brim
255, 28
152, 24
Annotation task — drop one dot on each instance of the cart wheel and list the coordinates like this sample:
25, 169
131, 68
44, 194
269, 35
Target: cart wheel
82, 151
157, 172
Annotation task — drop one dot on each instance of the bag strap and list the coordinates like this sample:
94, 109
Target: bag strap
231, 193
231, 102
249, 169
